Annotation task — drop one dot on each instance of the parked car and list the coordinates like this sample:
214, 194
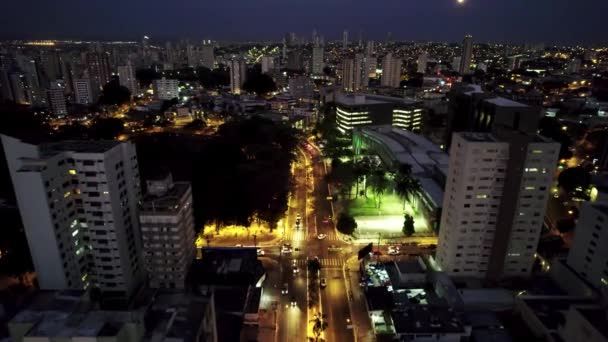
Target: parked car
323, 282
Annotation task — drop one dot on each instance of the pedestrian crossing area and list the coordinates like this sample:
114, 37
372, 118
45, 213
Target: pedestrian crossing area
300, 235
325, 262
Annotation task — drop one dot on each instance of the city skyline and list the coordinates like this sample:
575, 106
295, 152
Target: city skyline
515, 21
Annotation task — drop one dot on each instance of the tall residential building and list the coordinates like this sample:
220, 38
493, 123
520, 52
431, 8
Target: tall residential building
20, 88
370, 48
423, 59
83, 92
391, 71
294, 60
588, 254
167, 229
494, 204
192, 55
574, 66
56, 99
207, 56
355, 75
467, 55
165, 89
98, 67
126, 77
238, 73
6, 92
345, 40
317, 60
267, 63
78, 203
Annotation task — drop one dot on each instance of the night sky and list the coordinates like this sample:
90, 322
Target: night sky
518, 21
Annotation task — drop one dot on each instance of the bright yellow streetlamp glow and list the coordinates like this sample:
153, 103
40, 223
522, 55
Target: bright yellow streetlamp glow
461, 1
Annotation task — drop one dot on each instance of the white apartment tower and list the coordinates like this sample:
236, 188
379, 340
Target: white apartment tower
267, 63
423, 60
83, 92
588, 254
56, 99
494, 203
127, 79
78, 202
167, 227
467, 55
207, 56
317, 60
354, 73
238, 72
391, 71
165, 89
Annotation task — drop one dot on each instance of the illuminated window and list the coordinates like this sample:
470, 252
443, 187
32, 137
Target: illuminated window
530, 188
537, 151
481, 196
72, 172
67, 194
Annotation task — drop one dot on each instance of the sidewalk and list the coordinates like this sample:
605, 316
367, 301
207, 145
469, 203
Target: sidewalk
359, 313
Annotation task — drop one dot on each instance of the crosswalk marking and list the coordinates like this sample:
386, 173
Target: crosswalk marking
329, 236
325, 262
300, 235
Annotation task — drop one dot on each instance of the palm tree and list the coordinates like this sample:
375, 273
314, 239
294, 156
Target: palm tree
379, 183
405, 184
319, 324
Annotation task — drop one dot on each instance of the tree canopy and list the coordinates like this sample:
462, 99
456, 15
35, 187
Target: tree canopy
259, 83
115, 94
408, 226
573, 178
346, 224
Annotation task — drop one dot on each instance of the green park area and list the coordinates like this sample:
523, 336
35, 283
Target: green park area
387, 220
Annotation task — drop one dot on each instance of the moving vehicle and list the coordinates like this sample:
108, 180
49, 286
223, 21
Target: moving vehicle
286, 248
334, 248
296, 270
321, 236
285, 289
293, 302
323, 283
261, 251
393, 250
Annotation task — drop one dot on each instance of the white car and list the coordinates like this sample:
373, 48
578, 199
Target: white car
393, 250
321, 236
296, 270
261, 251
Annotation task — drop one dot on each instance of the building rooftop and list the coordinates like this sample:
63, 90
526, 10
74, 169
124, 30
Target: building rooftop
371, 99
167, 202
478, 137
79, 146
176, 315
227, 266
422, 319
504, 102
597, 318
551, 310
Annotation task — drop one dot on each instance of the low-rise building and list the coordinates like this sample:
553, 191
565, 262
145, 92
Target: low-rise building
356, 110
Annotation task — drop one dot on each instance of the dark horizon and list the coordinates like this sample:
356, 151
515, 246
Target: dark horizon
512, 22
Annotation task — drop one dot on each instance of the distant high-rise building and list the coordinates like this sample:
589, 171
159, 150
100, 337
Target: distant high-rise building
317, 60
192, 54
56, 99
456, 63
467, 55
301, 87
588, 255
354, 73
423, 59
345, 40
20, 88
391, 71
370, 48
495, 197
165, 89
207, 56
6, 93
126, 77
284, 51
98, 66
238, 73
83, 92
78, 203
294, 60
167, 251
267, 63
574, 66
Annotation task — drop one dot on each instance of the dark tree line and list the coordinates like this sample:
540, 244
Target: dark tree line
239, 175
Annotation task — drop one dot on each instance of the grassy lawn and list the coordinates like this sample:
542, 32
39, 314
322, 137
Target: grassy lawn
388, 220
